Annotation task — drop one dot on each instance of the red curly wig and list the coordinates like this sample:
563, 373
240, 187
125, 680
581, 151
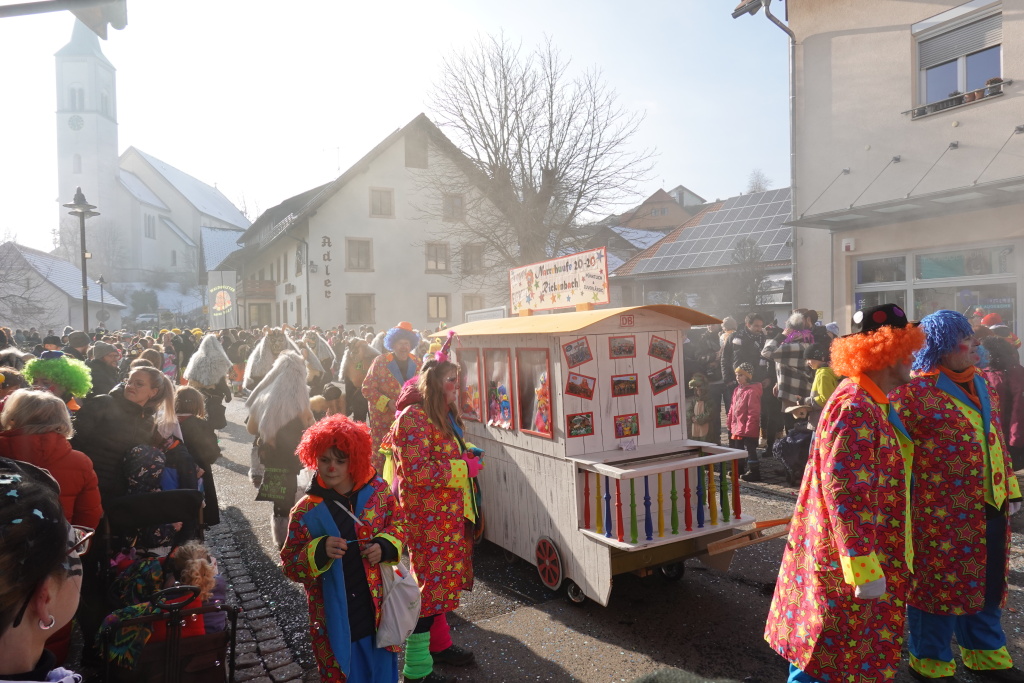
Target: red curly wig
348, 436
860, 353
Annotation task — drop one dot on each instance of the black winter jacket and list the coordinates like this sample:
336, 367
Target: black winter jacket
104, 377
106, 428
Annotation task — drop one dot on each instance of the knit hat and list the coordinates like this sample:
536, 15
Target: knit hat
78, 339
992, 319
102, 348
52, 339
818, 351
745, 369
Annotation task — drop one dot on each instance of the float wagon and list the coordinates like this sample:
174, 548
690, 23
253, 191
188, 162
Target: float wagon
588, 469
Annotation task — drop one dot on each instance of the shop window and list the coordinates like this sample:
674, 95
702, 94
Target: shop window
965, 263
534, 390
498, 375
992, 298
470, 398
961, 58
887, 269
889, 296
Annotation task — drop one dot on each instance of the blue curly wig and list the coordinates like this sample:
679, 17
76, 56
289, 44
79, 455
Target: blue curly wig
944, 331
396, 333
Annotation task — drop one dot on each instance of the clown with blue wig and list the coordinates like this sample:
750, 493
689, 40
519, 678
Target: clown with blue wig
964, 490
384, 380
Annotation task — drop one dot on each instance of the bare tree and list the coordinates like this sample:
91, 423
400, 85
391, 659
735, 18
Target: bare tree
109, 255
538, 149
749, 284
758, 181
26, 300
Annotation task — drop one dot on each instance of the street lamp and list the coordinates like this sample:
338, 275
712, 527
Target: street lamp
83, 209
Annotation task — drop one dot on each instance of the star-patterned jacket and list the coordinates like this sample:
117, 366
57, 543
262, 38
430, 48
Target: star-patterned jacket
382, 384
959, 466
381, 516
431, 477
848, 529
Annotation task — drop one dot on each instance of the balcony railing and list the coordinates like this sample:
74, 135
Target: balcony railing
656, 500
960, 99
257, 289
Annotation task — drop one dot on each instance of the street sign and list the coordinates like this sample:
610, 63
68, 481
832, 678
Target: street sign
103, 315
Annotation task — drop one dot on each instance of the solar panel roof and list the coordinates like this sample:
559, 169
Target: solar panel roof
711, 243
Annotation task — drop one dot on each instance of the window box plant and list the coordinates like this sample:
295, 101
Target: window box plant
956, 97
994, 86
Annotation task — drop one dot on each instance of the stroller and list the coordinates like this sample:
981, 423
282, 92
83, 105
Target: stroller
794, 449
139, 606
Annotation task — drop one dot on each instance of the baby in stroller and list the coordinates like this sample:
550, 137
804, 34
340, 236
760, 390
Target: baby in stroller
794, 448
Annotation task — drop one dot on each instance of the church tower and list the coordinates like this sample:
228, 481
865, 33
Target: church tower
87, 147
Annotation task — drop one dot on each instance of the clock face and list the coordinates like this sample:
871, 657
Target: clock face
76, 122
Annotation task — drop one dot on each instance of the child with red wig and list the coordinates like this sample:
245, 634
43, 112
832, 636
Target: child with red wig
338, 534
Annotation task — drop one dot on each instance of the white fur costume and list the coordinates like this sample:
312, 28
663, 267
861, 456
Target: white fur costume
210, 364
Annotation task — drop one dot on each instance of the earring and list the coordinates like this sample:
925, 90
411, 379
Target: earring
47, 627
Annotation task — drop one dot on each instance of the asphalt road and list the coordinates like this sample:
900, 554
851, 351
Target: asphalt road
709, 623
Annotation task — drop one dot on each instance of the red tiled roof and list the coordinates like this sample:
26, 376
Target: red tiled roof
627, 267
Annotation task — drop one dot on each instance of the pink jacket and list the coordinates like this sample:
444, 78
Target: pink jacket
1009, 386
745, 413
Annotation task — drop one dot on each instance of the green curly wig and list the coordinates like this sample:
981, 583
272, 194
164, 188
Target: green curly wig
69, 373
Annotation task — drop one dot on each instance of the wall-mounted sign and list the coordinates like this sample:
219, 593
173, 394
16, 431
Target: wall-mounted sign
560, 283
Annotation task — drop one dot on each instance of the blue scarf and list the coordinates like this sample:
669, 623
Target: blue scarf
319, 522
396, 371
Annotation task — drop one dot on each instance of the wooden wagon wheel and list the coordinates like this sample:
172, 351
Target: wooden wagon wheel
549, 563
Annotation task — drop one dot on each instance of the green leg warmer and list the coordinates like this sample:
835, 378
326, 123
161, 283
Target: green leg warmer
418, 662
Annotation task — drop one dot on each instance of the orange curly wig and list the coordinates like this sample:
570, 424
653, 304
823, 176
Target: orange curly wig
860, 353
348, 436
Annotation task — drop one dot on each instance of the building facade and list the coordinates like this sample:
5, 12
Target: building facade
151, 214
909, 156
373, 247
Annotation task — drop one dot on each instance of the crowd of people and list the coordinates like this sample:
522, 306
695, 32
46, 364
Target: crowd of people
358, 444
112, 415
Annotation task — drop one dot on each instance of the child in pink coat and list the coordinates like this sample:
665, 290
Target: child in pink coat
745, 419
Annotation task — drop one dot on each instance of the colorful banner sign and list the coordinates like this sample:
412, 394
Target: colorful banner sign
563, 282
221, 302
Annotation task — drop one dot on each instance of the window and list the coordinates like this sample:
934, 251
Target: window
965, 263
359, 309
382, 203
473, 258
437, 257
76, 98
284, 265
150, 226
105, 103
437, 307
273, 268
888, 269
659, 211
76, 163
358, 254
453, 208
174, 257
472, 302
300, 259
961, 58
416, 148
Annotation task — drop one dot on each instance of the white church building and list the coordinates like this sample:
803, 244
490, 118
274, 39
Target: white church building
153, 216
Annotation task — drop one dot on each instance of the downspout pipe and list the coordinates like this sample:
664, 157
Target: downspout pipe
792, 136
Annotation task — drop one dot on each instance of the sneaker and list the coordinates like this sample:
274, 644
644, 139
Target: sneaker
432, 677
1011, 675
454, 655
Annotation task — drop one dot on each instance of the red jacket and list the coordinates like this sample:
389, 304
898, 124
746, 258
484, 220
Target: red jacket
745, 413
1009, 386
79, 489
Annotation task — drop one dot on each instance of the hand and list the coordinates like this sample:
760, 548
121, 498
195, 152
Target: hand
390, 407
335, 547
1012, 508
872, 590
473, 464
371, 552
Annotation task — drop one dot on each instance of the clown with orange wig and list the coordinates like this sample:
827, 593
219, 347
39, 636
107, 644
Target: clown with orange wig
838, 609
339, 532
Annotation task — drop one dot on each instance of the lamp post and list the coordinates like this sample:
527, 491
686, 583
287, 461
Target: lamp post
83, 209
102, 315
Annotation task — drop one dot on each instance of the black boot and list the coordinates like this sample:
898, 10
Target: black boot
753, 473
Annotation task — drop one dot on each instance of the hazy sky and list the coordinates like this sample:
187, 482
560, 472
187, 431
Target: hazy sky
269, 99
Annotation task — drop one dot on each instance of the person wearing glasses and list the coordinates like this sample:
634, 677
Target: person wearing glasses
433, 467
40, 572
37, 427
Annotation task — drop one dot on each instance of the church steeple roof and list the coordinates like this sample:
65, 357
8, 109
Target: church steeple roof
83, 42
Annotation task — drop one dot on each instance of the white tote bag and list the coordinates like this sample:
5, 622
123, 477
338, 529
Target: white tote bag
400, 609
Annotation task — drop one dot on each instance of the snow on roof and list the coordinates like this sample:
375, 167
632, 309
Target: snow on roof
65, 277
140, 190
218, 244
208, 200
178, 231
638, 238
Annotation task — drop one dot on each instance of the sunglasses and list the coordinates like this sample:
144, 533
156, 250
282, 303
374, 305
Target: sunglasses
452, 381
79, 542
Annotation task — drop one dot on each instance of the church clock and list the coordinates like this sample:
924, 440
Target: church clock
76, 122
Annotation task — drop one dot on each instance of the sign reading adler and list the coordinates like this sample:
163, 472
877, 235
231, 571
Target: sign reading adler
562, 282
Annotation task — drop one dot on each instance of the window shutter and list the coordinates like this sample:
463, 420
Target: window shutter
961, 41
